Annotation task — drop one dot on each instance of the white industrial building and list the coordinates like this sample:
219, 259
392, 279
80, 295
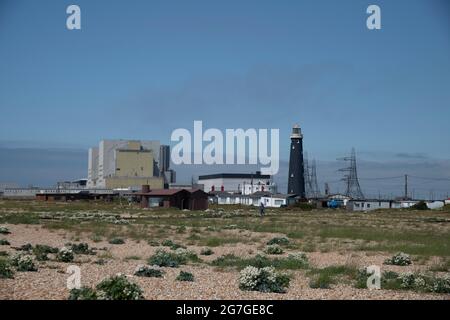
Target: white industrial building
239, 183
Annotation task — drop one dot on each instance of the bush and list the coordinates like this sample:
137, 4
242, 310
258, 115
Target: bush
321, 281
81, 248
83, 293
421, 205
263, 280
41, 251
25, 247
4, 242
273, 249
24, 263
118, 288
172, 245
185, 276
65, 255
4, 230
116, 241
146, 271
6, 270
278, 240
399, 259
163, 258
206, 252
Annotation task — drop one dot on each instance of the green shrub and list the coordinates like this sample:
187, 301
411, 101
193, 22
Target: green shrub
163, 258
146, 271
83, 293
185, 276
321, 281
263, 280
293, 261
421, 205
4, 242
399, 259
273, 249
116, 241
65, 255
278, 240
172, 245
6, 270
181, 229
24, 263
4, 230
81, 248
206, 252
41, 251
25, 247
118, 288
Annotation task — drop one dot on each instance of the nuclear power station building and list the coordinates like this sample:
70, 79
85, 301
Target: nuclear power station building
128, 164
296, 179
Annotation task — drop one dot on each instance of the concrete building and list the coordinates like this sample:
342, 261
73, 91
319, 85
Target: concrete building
124, 164
368, 205
240, 183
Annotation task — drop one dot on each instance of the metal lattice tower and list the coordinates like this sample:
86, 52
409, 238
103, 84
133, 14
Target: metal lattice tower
315, 185
351, 177
311, 186
308, 184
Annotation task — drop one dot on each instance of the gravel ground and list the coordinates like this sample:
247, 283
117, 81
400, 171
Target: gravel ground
50, 281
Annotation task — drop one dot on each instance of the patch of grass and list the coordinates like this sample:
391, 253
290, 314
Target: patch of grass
128, 258
323, 278
185, 276
259, 261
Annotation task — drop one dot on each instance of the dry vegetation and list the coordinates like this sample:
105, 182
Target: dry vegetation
336, 243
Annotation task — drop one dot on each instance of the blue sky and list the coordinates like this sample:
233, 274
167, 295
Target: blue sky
140, 69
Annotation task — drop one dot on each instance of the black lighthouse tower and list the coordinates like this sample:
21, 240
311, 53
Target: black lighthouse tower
296, 181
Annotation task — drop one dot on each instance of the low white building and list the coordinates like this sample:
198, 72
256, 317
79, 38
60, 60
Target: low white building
368, 205
269, 200
447, 202
243, 183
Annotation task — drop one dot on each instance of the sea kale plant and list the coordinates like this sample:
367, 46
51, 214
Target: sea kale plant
6, 270
273, 249
263, 279
118, 288
113, 288
4, 230
81, 248
146, 271
4, 242
24, 262
185, 276
65, 255
278, 240
399, 259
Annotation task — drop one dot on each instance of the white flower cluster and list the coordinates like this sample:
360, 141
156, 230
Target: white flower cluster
299, 256
251, 277
399, 259
184, 253
65, 255
273, 249
24, 262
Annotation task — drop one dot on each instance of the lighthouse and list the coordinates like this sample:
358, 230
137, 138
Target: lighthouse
296, 180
